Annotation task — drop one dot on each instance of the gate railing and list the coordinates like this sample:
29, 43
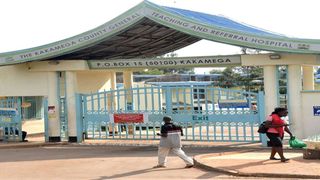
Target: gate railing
205, 113
10, 119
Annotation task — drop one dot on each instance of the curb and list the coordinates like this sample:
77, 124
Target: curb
201, 165
136, 144
29, 145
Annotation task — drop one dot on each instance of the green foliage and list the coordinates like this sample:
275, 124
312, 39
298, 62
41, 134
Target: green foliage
228, 78
151, 72
249, 77
177, 70
161, 71
216, 71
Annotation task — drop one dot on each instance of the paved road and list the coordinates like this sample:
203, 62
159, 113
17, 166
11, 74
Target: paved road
97, 163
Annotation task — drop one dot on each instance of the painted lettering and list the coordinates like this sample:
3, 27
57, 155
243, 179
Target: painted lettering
207, 61
272, 43
124, 21
23, 56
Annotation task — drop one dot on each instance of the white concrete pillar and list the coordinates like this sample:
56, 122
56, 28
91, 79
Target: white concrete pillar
113, 78
112, 100
127, 79
294, 94
53, 108
71, 87
270, 88
113, 85
128, 83
308, 78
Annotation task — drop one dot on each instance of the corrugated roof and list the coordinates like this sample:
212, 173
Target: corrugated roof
221, 21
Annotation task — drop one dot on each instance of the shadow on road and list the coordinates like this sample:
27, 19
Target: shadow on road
82, 152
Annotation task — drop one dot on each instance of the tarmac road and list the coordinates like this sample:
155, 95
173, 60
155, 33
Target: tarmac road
98, 163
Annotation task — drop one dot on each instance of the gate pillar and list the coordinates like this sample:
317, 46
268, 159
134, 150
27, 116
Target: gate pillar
53, 108
270, 87
112, 101
71, 87
294, 94
127, 83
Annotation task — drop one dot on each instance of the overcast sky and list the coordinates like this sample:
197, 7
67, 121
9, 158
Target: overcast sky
30, 23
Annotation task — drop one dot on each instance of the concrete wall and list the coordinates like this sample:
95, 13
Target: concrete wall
93, 81
286, 59
31, 79
18, 80
65, 65
311, 123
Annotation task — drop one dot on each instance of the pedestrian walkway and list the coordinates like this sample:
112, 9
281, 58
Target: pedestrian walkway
238, 159
255, 163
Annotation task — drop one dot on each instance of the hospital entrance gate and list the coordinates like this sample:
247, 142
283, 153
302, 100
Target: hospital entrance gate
10, 119
205, 113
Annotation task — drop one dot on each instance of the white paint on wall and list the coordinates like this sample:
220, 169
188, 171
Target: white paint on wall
285, 59
270, 88
71, 80
308, 78
294, 94
59, 65
93, 81
17, 80
310, 122
53, 100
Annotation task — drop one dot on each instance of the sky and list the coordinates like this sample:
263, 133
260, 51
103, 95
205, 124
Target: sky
31, 23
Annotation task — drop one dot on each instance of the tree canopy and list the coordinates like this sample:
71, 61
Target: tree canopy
248, 77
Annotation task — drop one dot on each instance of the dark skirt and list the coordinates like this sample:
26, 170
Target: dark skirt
275, 140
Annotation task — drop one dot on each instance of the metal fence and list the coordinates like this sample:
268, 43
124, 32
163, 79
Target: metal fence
10, 119
205, 113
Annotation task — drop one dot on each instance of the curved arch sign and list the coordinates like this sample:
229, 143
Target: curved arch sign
188, 22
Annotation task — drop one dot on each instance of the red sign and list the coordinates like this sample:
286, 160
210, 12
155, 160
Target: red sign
128, 118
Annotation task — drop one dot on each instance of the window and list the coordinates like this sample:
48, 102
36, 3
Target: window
199, 93
32, 107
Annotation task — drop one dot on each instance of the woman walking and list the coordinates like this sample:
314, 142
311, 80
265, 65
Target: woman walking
276, 130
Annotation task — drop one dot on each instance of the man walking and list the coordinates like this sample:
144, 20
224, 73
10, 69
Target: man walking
170, 140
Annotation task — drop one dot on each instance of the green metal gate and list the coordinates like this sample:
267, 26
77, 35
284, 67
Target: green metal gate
206, 113
10, 119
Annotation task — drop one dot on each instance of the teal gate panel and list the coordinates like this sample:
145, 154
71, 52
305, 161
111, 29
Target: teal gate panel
206, 113
63, 119
10, 119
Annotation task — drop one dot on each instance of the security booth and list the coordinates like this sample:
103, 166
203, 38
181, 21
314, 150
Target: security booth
76, 79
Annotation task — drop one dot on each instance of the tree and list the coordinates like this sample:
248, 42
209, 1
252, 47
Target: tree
228, 78
248, 75
242, 76
215, 71
177, 70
